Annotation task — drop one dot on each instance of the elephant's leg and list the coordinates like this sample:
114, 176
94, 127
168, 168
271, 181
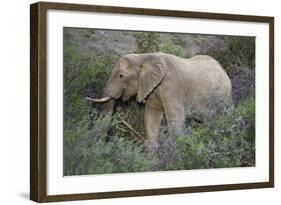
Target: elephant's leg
175, 115
152, 121
173, 100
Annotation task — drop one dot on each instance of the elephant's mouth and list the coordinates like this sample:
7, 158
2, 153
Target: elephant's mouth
124, 96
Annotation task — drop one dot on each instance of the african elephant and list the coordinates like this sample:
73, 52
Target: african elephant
168, 85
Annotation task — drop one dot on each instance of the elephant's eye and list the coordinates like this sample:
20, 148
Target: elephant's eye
121, 76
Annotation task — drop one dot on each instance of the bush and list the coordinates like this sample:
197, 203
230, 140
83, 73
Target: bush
240, 53
238, 60
169, 47
86, 150
228, 141
225, 142
84, 75
147, 42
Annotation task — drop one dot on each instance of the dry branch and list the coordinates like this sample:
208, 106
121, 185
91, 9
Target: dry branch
128, 126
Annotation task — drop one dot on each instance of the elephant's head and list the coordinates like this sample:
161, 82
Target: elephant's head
134, 74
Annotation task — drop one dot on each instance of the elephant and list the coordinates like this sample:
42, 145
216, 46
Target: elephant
168, 85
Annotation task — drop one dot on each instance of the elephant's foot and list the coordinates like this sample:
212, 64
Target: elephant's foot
152, 148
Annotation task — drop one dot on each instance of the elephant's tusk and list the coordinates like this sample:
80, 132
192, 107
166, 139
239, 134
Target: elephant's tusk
100, 100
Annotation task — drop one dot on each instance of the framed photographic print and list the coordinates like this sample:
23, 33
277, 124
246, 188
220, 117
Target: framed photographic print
135, 102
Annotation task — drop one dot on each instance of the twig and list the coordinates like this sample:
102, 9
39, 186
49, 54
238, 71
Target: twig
130, 128
120, 128
216, 153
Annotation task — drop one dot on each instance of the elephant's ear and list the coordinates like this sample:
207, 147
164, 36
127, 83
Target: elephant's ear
151, 73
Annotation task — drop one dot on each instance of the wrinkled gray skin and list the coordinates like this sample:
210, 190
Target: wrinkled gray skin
169, 85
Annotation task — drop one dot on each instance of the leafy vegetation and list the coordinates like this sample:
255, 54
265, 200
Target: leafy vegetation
239, 62
147, 42
171, 48
91, 147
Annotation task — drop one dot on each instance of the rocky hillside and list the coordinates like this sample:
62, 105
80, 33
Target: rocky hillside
102, 42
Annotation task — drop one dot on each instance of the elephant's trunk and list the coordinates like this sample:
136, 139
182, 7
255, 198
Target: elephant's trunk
106, 113
100, 100
106, 110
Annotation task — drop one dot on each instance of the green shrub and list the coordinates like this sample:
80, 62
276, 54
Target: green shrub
169, 47
84, 75
147, 42
86, 151
228, 141
117, 156
192, 152
238, 60
240, 53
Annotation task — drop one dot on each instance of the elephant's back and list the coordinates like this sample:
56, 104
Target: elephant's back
204, 64
202, 76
